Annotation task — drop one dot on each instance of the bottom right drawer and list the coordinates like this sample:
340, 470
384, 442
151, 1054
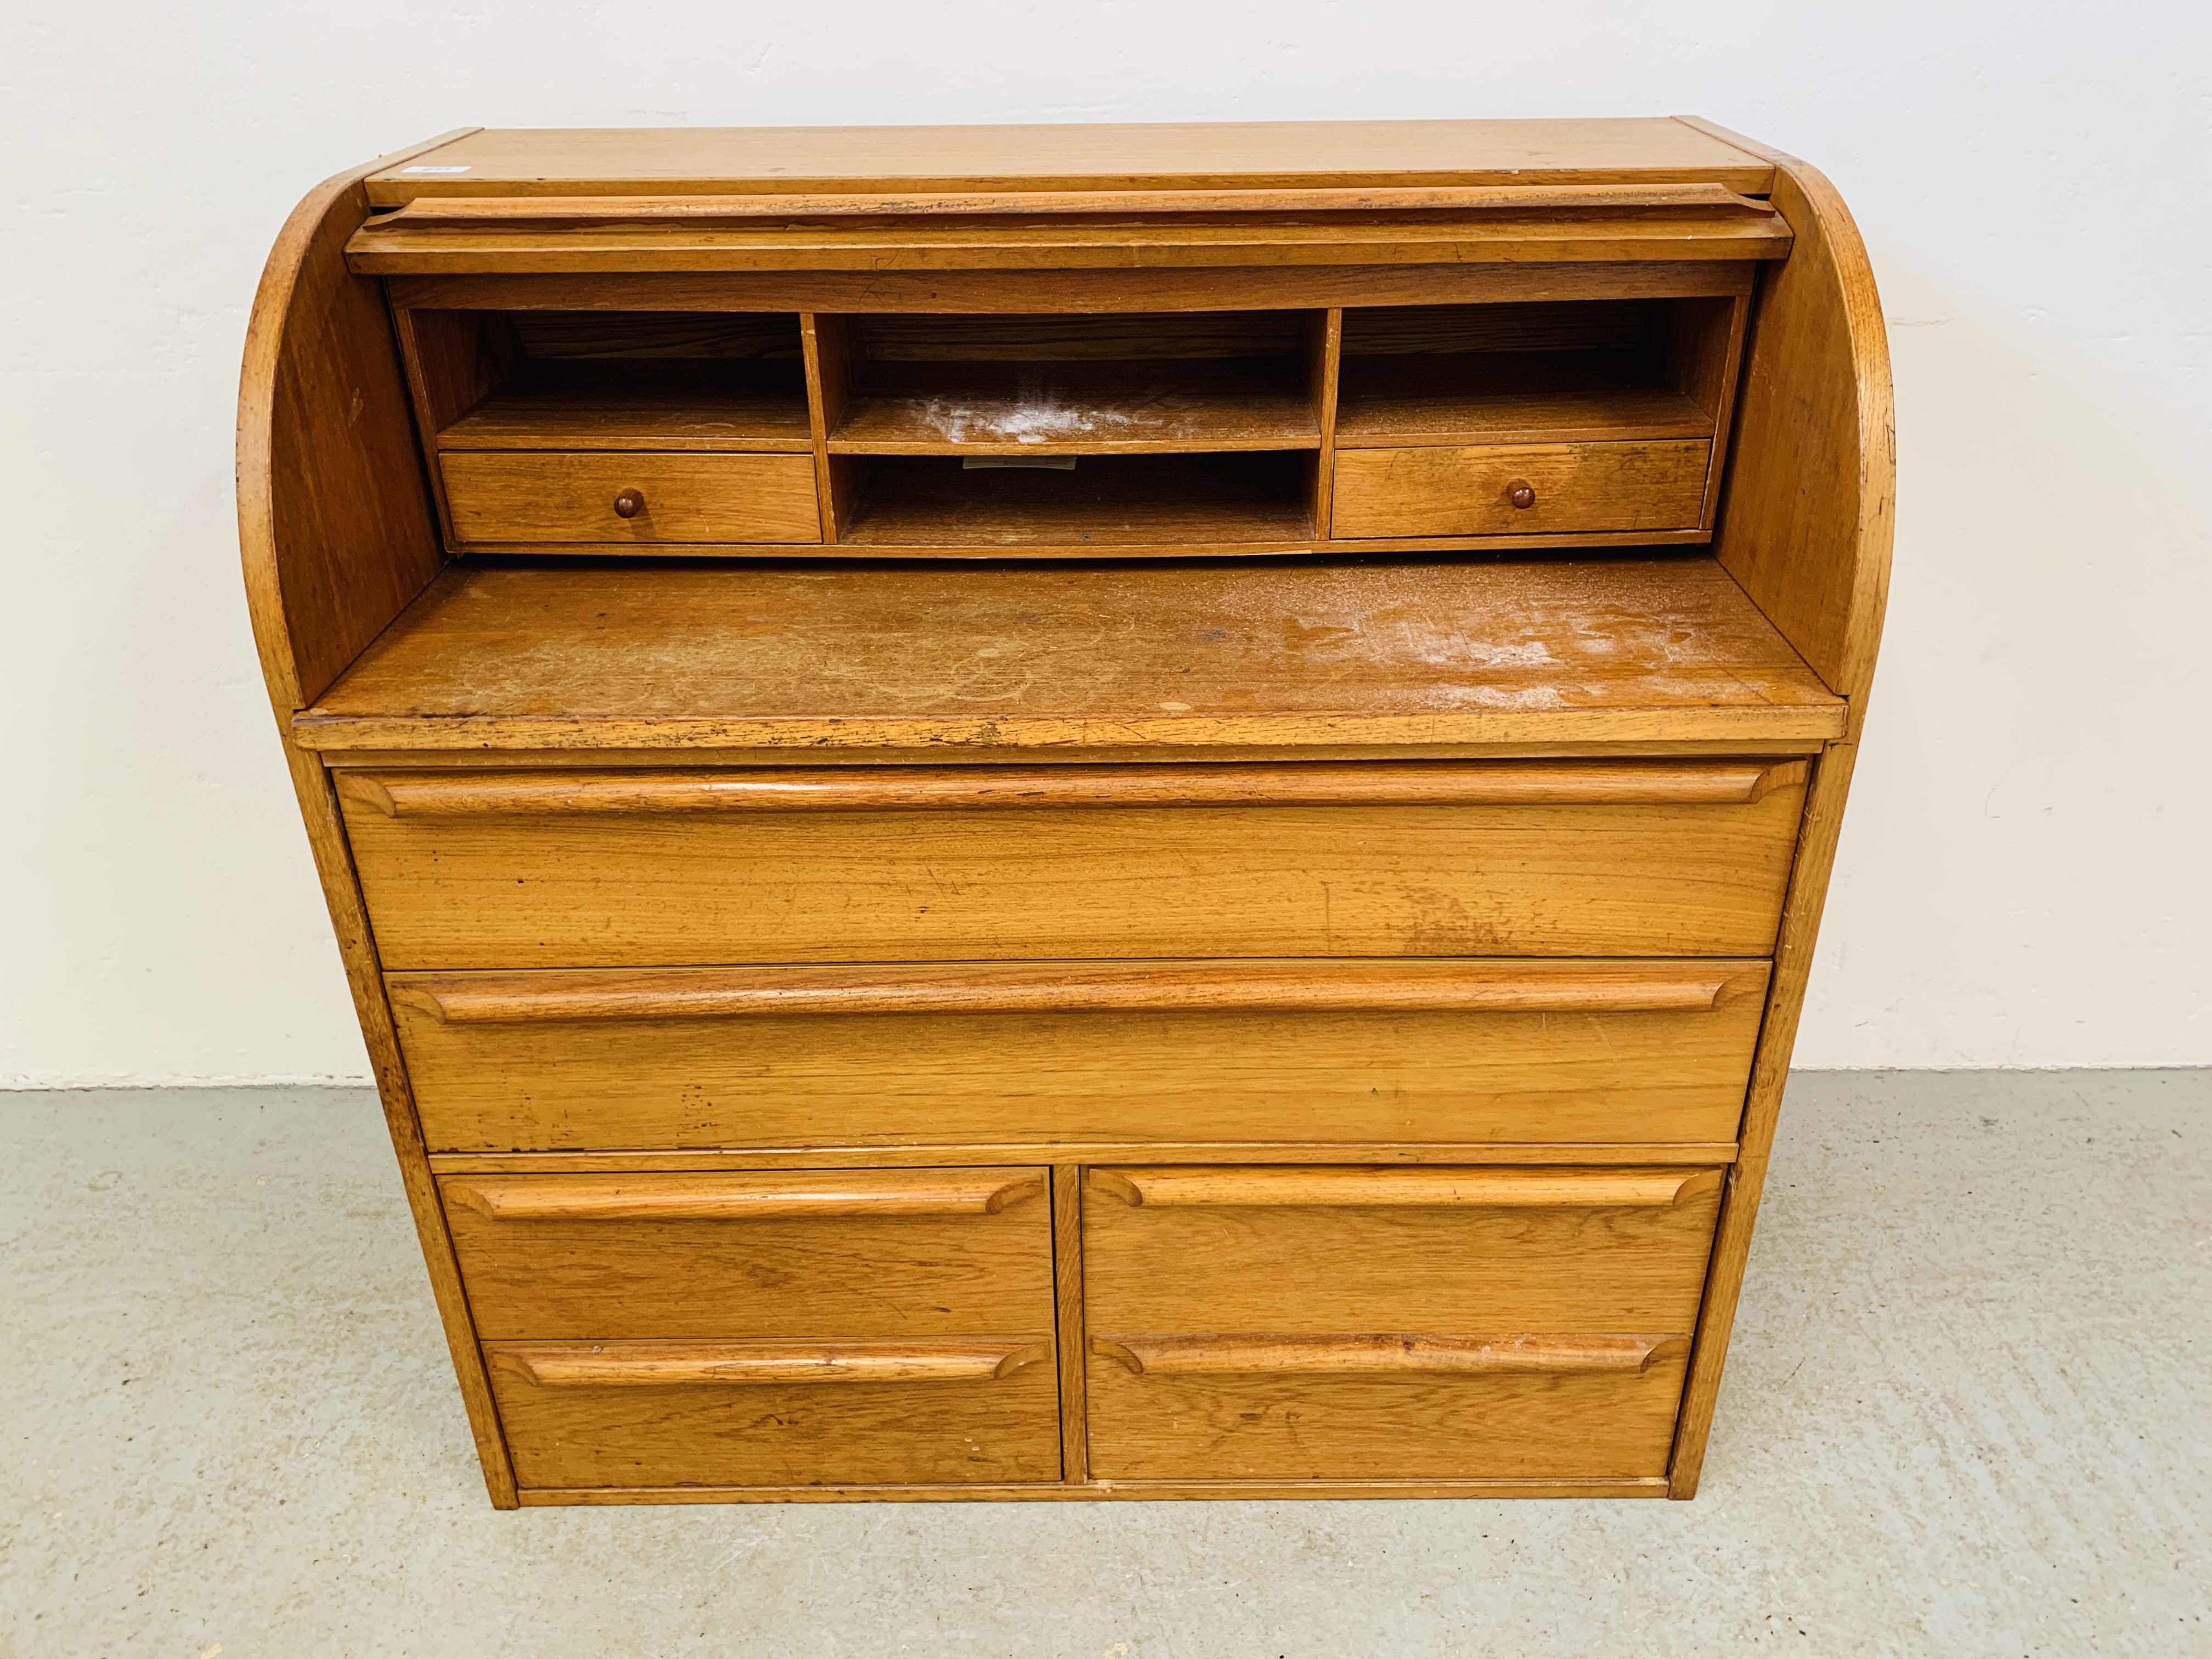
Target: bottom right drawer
1299, 1323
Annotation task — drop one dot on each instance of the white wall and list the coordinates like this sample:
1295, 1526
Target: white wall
2023, 880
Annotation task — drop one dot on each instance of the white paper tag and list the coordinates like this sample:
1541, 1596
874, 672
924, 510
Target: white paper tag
993, 463
434, 169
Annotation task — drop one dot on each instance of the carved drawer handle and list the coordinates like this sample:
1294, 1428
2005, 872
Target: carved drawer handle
743, 1197
682, 1364
859, 789
1255, 985
1285, 1186
1386, 1353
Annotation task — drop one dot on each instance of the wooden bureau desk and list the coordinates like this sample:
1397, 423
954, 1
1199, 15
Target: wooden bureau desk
1075, 811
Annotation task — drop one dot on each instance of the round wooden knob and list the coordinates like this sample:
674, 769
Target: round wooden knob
629, 503
1522, 493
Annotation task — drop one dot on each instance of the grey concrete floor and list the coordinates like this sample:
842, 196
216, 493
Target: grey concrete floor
1969, 1412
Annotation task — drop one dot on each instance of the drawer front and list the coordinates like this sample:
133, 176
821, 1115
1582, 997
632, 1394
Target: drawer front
1245, 1417
1293, 1323
778, 1414
506, 496
839, 1254
1514, 1050
1469, 490
492, 871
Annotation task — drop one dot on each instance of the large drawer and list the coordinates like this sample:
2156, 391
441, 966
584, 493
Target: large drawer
1291, 1323
1529, 1050
778, 1414
791, 1253
532, 870
1505, 489
520, 496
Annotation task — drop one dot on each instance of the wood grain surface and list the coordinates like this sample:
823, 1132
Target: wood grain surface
681, 405
1814, 472
709, 1276
1412, 1426
1261, 1018
1179, 1071
1072, 1335
1409, 1154
788, 1434
703, 209
1299, 1186
1125, 1491
1447, 401
302, 545
1808, 506
1467, 490
968, 291
1243, 985
423, 795
1322, 1269
684, 1364
1077, 409
1357, 1354
1111, 882
511, 495
1157, 505
665, 657
1247, 154
336, 525
747, 1196
1538, 235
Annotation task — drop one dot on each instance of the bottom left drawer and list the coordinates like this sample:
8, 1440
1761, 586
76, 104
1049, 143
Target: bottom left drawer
808, 1327
778, 1414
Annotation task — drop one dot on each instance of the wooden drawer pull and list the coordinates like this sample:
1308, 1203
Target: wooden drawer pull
1431, 783
667, 1364
1273, 1185
1255, 985
762, 1197
1185, 1355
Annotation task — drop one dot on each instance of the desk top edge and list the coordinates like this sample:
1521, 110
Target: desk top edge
1167, 156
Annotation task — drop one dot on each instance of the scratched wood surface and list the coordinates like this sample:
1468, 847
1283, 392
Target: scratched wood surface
590, 656
639, 890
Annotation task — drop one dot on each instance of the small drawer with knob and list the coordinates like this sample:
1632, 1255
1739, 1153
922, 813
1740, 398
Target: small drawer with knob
504, 498
1505, 489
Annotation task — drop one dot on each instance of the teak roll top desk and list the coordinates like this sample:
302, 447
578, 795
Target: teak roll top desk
1075, 811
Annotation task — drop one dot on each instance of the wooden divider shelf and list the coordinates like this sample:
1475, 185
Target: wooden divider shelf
1075, 812
1076, 385
1103, 504
675, 405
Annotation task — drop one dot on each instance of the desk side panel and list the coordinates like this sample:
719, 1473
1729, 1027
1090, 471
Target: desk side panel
1806, 528
1807, 506
335, 520
336, 539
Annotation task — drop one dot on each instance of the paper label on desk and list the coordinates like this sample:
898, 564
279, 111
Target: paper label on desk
461, 169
